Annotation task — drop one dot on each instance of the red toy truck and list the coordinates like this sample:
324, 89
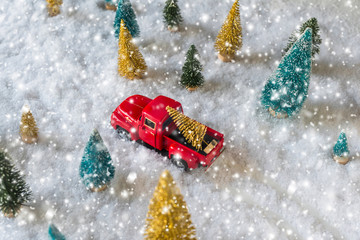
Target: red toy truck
141, 118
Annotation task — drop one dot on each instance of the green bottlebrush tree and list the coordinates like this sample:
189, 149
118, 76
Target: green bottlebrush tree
126, 12
341, 147
14, 192
96, 169
316, 39
192, 77
286, 90
172, 15
55, 234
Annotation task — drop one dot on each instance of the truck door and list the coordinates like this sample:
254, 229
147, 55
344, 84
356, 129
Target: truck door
147, 131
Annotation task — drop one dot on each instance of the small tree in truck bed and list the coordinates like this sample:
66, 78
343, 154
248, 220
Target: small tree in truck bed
193, 131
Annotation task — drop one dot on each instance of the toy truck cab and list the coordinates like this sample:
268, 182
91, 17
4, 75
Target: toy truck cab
140, 118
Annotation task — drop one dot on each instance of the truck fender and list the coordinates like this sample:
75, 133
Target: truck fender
178, 151
119, 120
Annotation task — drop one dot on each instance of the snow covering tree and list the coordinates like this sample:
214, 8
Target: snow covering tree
55, 234
96, 169
193, 131
28, 128
126, 12
316, 39
110, 5
14, 192
192, 77
341, 151
172, 15
53, 7
168, 216
131, 63
286, 90
229, 39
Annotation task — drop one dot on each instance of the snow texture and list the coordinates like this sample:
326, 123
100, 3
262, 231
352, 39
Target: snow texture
276, 179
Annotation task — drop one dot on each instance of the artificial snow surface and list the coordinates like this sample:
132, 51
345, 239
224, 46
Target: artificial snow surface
276, 179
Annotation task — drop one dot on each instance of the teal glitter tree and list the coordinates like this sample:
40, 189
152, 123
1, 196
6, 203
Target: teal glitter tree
126, 12
55, 234
96, 169
287, 88
316, 39
341, 147
172, 14
14, 192
192, 77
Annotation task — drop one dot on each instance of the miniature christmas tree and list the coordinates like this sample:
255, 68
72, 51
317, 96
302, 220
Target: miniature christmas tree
172, 15
193, 131
192, 77
229, 39
55, 234
131, 63
28, 128
96, 169
168, 216
341, 151
126, 12
286, 90
14, 191
316, 39
110, 5
53, 7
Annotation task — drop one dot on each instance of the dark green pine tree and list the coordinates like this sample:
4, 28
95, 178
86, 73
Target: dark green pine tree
192, 77
14, 192
96, 169
287, 88
316, 39
341, 146
172, 14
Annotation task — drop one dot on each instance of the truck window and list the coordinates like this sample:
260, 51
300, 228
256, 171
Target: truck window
166, 123
169, 120
149, 123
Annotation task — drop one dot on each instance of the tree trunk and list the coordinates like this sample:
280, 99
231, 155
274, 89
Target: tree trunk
110, 6
173, 28
226, 57
278, 115
53, 11
341, 160
191, 89
28, 140
11, 214
99, 189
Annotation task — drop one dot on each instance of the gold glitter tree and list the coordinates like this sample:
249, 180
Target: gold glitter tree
168, 216
193, 131
28, 128
131, 63
53, 7
229, 39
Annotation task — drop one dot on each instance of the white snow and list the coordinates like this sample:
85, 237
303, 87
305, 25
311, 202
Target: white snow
276, 179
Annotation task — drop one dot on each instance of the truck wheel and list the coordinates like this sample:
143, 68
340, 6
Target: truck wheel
180, 163
123, 133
